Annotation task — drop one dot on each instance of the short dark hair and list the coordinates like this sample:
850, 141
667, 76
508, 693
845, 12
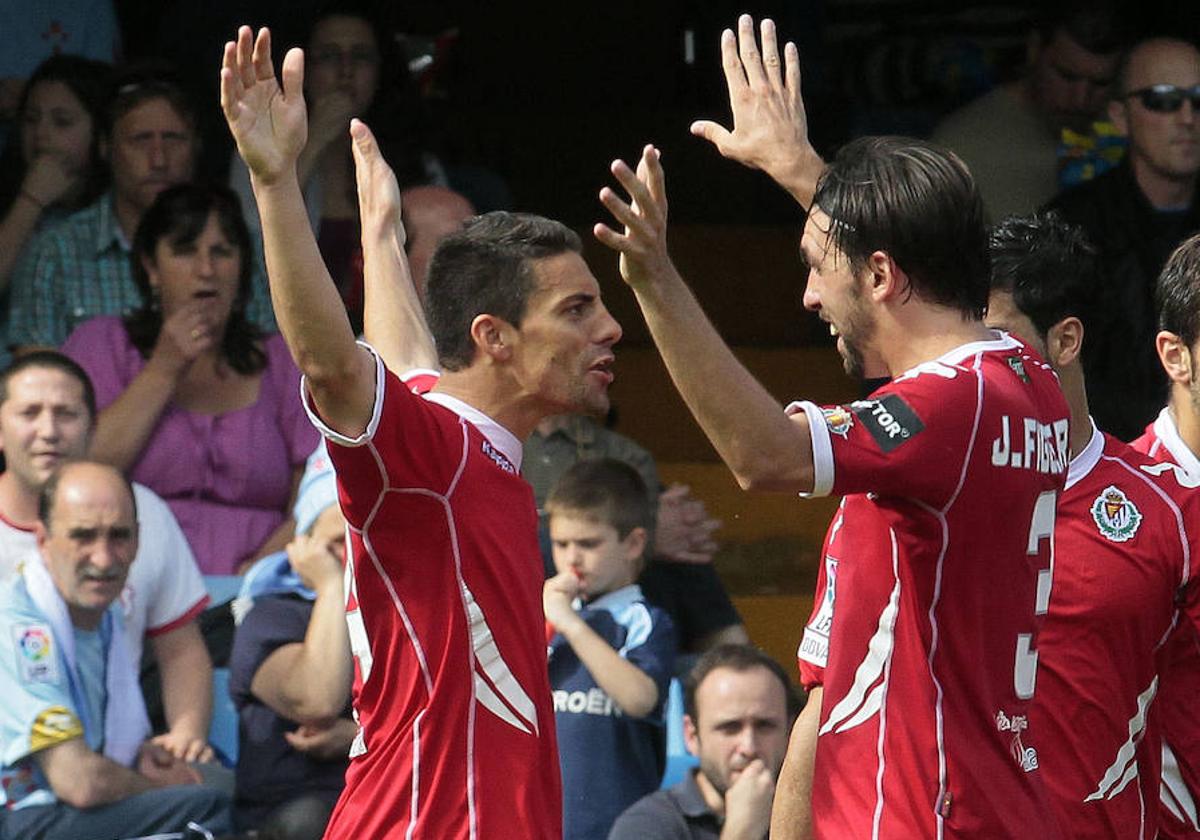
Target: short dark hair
604, 489
487, 268
49, 492
1048, 266
1177, 293
136, 84
179, 215
55, 361
918, 203
1095, 25
738, 658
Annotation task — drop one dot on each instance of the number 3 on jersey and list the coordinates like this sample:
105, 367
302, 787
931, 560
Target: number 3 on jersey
1041, 546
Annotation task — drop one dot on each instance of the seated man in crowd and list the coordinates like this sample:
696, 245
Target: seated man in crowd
81, 268
612, 654
1136, 214
290, 672
47, 413
74, 761
739, 706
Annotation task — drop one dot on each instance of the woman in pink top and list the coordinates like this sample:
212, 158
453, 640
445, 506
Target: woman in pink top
195, 402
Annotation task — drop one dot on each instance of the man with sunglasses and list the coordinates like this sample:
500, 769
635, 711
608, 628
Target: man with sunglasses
1136, 214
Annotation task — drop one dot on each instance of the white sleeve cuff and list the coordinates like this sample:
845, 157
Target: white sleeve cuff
822, 447
376, 408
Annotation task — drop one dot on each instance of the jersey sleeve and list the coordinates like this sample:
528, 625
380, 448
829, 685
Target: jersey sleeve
650, 647
408, 443
272, 623
910, 438
37, 712
178, 594
813, 653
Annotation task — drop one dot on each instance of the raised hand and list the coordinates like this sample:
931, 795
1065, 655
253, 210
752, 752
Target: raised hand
748, 802
643, 246
557, 594
378, 191
770, 127
683, 529
48, 180
186, 334
268, 120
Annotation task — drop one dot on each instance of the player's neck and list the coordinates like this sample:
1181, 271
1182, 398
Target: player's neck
494, 396
1070, 377
1187, 418
924, 335
17, 503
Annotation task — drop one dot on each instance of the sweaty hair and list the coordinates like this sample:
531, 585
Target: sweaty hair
1178, 292
53, 360
49, 491
1047, 264
917, 203
606, 490
487, 268
739, 659
179, 215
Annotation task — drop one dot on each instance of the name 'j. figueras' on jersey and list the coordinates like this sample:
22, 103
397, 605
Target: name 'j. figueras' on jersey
1026, 443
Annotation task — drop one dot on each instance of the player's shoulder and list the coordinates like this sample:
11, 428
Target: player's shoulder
1127, 471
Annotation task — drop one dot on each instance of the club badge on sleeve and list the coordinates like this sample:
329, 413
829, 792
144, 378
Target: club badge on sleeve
1115, 515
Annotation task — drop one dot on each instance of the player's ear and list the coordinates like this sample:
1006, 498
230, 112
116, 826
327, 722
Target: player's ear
492, 336
634, 543
1065, 341
691, 738
886, 278
1175, 356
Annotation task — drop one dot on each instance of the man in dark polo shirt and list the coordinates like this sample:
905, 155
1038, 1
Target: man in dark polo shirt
739, 707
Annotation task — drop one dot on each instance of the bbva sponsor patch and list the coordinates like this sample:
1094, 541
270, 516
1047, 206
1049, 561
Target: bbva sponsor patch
889, 419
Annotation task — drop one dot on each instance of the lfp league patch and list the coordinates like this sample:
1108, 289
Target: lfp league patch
37, 661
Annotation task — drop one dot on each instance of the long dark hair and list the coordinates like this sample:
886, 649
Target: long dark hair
179, 215
91, 83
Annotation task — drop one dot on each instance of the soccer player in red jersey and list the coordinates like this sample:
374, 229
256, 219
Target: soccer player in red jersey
1174, 437
443, 570
951, 473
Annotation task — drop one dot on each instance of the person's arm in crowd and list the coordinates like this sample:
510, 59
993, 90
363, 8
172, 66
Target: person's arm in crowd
126, 426
393, 321
309, 681
682, 528
324, 743
269, 123
46, 182
765, 449
791, 815
82, 778
629, 687
187, 692
770, 127
748, 803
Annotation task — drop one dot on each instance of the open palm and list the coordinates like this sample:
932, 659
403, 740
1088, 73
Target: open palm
268, 121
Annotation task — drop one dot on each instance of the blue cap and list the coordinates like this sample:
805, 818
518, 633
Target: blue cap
318, 489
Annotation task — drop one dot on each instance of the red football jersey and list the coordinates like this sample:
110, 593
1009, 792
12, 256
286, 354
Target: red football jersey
1123, 558
444, 605
939, 572
1179, 686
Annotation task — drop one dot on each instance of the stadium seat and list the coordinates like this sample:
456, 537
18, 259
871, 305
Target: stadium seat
222, 588
223, 732
679, 760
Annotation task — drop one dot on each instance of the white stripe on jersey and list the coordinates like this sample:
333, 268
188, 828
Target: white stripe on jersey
1125, 769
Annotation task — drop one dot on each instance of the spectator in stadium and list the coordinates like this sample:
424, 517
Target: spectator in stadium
430, 214
195, 402
290, 672
53, 165
82, 267
1136, 214
1009, 137
452, 623
897, 252
678, 576
738, 708
73, 724
1174, 437
47, 414
612, 654
355, 68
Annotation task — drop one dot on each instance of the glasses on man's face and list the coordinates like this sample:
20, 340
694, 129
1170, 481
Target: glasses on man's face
1166, 99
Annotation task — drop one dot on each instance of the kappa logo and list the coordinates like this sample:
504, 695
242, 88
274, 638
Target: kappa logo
498, 456
1117, 518
839, 420
889, 419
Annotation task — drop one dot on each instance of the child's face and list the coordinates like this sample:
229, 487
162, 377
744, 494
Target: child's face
594, 552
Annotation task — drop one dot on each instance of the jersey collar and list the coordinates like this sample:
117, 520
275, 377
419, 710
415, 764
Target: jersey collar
616, 599
1002, 341
497, 435
1167, 432
1085, 461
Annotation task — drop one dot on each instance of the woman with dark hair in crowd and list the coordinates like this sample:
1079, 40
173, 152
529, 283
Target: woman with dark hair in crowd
52, 164
353, 68
195, 402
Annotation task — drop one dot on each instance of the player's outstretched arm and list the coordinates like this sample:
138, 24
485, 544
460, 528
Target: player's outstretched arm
393, 321
765, 449
269, 122
770, 126
791, 815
